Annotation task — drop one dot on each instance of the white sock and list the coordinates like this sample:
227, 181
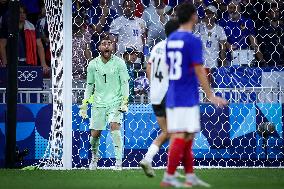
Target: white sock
152, 151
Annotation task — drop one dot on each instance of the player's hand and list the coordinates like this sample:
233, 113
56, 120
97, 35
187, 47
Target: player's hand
218, 101
83, 111
124, 105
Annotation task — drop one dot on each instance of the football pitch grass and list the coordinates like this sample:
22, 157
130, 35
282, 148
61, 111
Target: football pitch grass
135, 179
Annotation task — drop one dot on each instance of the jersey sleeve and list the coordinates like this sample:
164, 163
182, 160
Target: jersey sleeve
91, 73
142, 25
197, 51
124, 78
222, 33
90, 82
152, 55
115, 27
145, 17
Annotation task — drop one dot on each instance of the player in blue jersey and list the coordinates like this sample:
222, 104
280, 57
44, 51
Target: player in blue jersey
184, 57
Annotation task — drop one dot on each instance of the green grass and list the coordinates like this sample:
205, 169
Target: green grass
135, 179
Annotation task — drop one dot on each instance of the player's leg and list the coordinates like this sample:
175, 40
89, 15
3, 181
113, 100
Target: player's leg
95, 142
115, 118
146, 162
177, 128
193, 125
175, 155
117, 142
188, 161
97, 124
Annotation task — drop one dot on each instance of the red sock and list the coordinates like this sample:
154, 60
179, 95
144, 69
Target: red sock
176, 154
188, 157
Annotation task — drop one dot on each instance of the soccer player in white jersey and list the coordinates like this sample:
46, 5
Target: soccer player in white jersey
185, 58
107, 89
128, 30
213, 37
157, 73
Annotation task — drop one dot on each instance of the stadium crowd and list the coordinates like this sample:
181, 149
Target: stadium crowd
234, 32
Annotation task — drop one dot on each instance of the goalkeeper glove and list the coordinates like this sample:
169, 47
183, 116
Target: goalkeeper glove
83, 110
124, 105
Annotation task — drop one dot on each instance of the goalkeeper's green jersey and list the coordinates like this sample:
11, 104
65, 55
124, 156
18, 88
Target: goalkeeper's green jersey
110, 81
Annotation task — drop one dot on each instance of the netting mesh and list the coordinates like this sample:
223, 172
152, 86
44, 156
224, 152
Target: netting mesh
244, 57
54, 150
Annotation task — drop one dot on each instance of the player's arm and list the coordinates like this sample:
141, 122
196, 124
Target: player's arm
88, 91
255, 46
197, 58
124, 78
148, 71
223, 52
223, 41
203, 80
150, 62
3, 52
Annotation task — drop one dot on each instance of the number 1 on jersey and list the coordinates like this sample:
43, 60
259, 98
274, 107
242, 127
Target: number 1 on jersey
175, 65
105, 76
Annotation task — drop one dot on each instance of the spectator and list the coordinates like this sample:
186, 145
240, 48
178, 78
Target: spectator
29, 43
271, 37
241, 35
130, 56
222, 6
42, 28
3, 10
155, 20
128, 30
117, 5
213, 37
141, 85
80, 49
33, 9
3, 7
100, 19
81, 7
199, 4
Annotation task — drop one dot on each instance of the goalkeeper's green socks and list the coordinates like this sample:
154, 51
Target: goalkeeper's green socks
117, 141
95, 142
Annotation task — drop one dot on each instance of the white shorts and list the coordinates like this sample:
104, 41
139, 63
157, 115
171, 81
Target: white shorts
183, 119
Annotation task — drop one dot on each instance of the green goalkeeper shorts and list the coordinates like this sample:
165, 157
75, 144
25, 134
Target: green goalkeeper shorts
102, 116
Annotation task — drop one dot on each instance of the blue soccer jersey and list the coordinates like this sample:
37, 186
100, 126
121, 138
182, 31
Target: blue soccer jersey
183, 51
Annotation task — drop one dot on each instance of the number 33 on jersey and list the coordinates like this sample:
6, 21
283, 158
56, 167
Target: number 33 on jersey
183, 51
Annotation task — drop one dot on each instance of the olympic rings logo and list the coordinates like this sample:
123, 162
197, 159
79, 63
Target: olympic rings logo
27, 75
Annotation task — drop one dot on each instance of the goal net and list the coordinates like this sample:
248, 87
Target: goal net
249, 132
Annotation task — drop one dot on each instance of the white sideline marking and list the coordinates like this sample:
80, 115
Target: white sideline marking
163, 167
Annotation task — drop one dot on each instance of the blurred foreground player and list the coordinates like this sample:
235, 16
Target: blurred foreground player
157, 73
184, 57
107, 80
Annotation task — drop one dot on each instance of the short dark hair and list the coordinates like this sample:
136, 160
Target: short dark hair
24, 8
185, 11
106, 37
171, 26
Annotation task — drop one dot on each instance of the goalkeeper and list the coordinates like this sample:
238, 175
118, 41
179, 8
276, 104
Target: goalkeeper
107, 80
